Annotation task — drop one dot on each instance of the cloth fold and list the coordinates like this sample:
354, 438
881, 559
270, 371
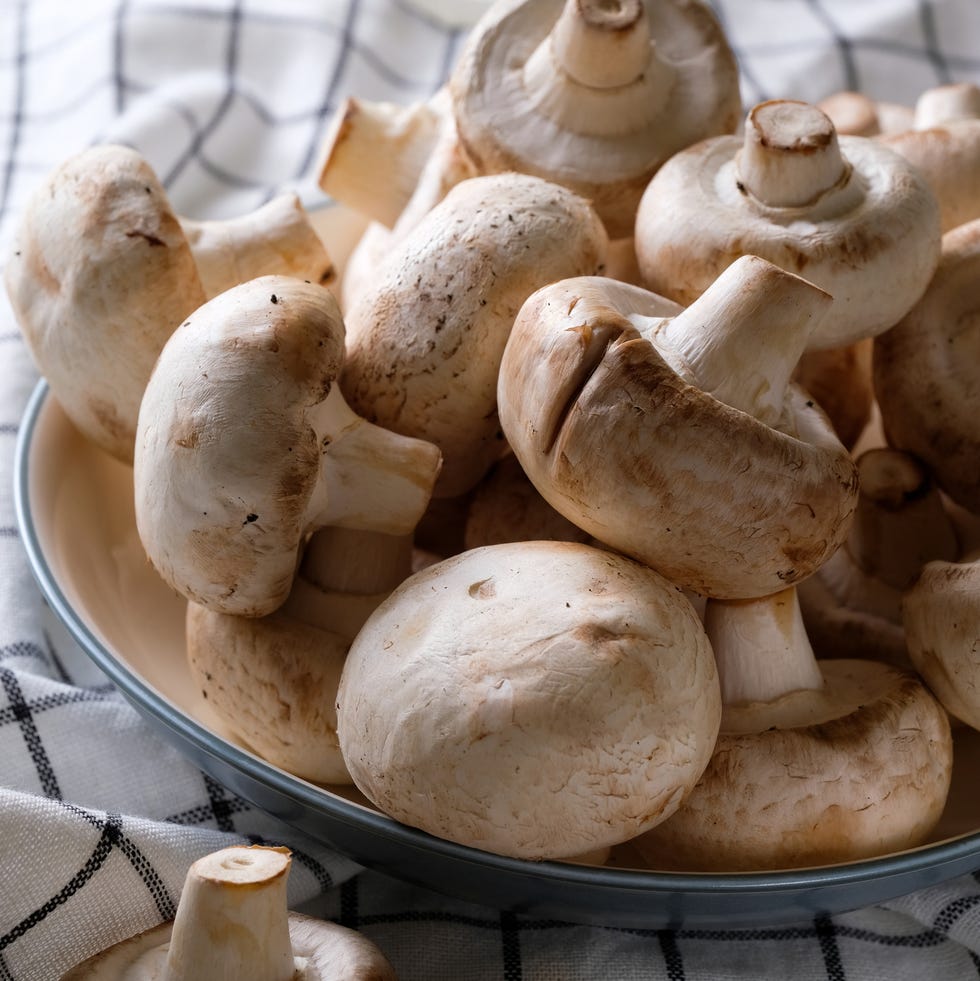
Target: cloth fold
229, 100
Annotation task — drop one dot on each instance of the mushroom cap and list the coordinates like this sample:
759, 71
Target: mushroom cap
856, 769
924, 372
870, 240
224, 473
941, 615
617, 441
537, 700
424, 343
273, 681
100, 275
602, 141
948, 157
332, 952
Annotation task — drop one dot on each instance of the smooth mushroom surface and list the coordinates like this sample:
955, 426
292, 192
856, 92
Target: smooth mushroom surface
261, 449
233, 923
848, 214
100, 275
674, 435
815, 764
943, 143
539, 700
592, 94
941, 615
857, 114
424, 342
102, 271
852, 604
273, 680
924, 372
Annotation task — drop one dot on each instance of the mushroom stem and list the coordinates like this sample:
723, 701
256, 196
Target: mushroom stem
741, 339
274, 239
344, 576
602, 43
374, 154
900, 522
373, 478
761, 648
232, 919
790, 156
597, 72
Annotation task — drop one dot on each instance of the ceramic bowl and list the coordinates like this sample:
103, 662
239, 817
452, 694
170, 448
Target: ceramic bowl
75, 511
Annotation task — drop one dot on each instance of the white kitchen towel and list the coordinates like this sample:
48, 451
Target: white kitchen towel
229, 99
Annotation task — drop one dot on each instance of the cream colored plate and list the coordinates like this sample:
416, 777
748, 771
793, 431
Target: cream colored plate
76, 516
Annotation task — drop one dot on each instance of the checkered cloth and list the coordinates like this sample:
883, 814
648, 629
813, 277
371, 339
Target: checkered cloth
229, 99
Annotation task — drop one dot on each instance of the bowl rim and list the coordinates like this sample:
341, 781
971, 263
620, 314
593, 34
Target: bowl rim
148, 700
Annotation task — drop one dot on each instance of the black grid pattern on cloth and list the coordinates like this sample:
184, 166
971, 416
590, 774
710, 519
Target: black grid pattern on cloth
931, 52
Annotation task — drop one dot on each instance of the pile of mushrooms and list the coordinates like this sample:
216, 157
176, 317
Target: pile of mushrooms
233, 922
625, 480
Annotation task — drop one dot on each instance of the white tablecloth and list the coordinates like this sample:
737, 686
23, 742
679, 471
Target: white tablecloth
228, 99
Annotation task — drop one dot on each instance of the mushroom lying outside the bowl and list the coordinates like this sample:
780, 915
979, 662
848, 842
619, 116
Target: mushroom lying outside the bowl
848, 214
233, 923
260, 449
538, 700
715, 470
815, 764
103, 270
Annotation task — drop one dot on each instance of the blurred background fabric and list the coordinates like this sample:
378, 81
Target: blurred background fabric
229, 101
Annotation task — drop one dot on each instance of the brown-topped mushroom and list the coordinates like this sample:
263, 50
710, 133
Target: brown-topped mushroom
232, 922
259, 449
924, 372
424, 343
102, 271
674, 435
593, 94
539, 700
848, 214
815, 764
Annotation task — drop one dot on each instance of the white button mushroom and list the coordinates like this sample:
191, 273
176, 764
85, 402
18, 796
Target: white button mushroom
925, 373
674, 435
850, 215
245, 446
537, 700
424, 343
102, 271
852, 604
943, 143
815, 763
593, 95
232, 922
273, 680
941, 616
